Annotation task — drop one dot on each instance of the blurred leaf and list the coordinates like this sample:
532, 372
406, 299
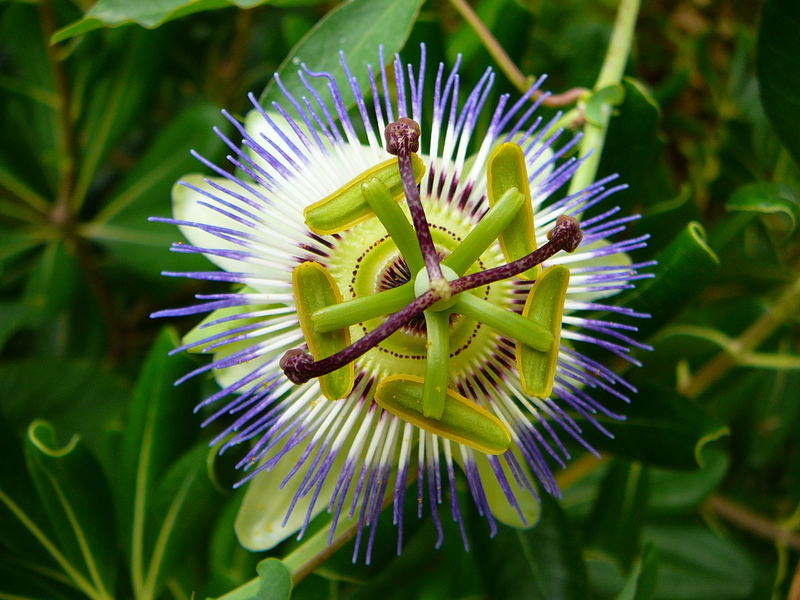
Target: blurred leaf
611, 95
120, 94
641, 582
147, 13
775, 415
274, 580
685, 267
158, 431
53, 282
661, 428
76, 396
425, 570
230, 564
177, 517
122, 225
356, 27
673, 492
696, 564
778, 66
618, 515
632, 149
76, 496
16, 583
27, 535
768, 199
544, 562
29, 126
13, 317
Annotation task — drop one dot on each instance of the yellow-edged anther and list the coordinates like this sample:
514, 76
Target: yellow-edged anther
314, 288
462, 420
347, 206
506, 170
544, 306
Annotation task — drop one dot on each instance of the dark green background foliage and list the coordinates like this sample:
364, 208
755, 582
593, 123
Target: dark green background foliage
107, 487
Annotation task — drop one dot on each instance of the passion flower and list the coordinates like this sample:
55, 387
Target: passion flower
398, 308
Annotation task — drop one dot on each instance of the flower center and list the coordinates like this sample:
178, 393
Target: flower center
423, 396
366, 261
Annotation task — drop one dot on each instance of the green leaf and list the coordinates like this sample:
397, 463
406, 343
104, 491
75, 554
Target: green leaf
178, 512
778, 68
159, 430
76, 396
661, 428
29, 128
230, 564
619, 510
540, 563
147, 13
15, 582
685, 267
641, 582
697, 564
274, 580
118, 96
77, 499
632, 149
357, 27
27, 534
122, 226
768, 199
52, 284
611, 95
673, 492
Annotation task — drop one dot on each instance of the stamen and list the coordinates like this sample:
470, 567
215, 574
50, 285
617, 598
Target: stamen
402, 138
299, 366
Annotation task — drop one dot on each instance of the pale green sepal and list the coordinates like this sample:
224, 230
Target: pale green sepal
259, 523
619, 259
498, 502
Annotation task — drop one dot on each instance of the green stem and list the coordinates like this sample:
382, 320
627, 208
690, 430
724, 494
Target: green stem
507, 66
786, 306
362, 309
436, 366
594, 133
397, 225
67, 142
483, 235
314, 551
506, 322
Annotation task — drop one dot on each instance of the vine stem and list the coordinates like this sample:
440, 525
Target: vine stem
67, 142
749, 521
507, 66
748, 341
313, 552
594, 132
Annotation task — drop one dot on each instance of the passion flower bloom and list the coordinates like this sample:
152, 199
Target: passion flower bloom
408, 301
